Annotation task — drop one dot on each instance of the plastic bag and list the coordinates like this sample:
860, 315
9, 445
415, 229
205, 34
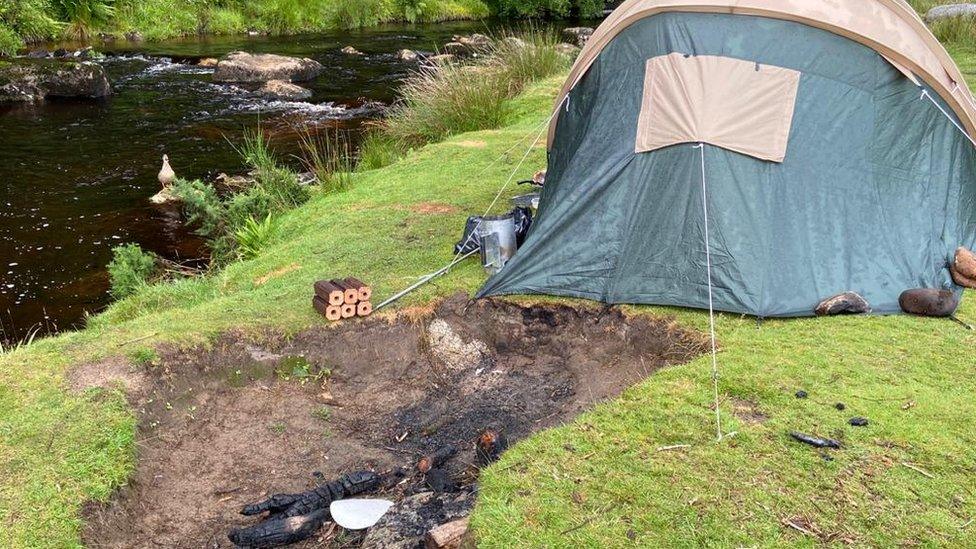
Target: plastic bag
522, 217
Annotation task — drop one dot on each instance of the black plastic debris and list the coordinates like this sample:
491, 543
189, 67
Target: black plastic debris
470, 242
440, 481
801, 394
815, 441
859, 422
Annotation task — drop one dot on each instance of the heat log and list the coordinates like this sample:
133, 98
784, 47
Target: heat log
350, 292
330, 292
364, 308
365, 292
348, 310
334, 313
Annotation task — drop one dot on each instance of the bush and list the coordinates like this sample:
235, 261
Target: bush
83, 16
547, 8
442, 101
956, 30
328, 156
378, 150
438, 102
9, 41
131, 269
253, 236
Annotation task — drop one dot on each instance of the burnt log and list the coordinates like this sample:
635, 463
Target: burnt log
278, 532
816, 442
489, 447
320, 497
436, 459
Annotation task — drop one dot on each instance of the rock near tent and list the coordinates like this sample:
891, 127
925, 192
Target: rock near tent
837, 156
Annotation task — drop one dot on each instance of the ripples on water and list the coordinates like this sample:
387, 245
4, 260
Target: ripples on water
75, 176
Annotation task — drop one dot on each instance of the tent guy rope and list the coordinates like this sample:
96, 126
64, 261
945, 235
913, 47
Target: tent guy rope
711, 306
458, 258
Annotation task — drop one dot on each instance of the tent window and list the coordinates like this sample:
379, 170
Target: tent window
737, 105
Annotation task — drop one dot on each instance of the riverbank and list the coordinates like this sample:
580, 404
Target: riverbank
95, 21
62, 448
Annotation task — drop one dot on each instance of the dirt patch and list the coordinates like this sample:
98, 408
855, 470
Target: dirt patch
229, 425
748, 411
432, 208
470, 144
111, 373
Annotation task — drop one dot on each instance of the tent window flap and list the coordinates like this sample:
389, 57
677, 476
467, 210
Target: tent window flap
730, 103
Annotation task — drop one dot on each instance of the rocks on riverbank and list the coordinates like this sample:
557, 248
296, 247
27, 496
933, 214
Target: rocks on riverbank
264, 67
949, 11
28, 80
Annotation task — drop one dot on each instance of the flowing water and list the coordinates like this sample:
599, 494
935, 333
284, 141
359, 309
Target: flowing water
76, 176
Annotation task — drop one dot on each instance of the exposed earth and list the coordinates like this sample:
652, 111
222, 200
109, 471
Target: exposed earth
251, 416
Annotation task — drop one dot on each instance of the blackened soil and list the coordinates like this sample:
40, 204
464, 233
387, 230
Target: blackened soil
225, 426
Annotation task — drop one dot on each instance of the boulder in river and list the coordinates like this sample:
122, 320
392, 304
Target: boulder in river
949, 11
349, 50
408, 55
208, 62
241, 66
33, 80
279, 89
578, 35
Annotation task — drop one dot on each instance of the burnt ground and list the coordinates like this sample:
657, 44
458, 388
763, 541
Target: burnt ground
228, 425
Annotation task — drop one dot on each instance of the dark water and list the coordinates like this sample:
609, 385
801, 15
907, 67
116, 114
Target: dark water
76, 176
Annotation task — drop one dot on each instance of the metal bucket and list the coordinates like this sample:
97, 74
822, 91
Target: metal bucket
498, 241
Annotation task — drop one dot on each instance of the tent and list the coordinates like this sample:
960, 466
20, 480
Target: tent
830, 144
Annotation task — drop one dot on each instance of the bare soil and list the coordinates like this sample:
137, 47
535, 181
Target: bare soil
250, 416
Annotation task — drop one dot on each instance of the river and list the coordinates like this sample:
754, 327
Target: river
76, 176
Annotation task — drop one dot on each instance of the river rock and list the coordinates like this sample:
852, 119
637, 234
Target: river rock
349, 50
443, 59
568, 50
929, 302
578, 35
26, 81
409, 56
208, 62
949, 11
165, 196
466, 46
241, 66
279, 89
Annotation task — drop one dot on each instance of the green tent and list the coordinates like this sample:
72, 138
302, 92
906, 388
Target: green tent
829, 145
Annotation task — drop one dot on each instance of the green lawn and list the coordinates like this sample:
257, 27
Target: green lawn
600, 481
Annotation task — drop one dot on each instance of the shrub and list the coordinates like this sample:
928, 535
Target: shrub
442, 101
546, 8
378, 150
253, 236
956, 30
9, 41
255, 150
84, 15
328, 156
438, 102
131, 269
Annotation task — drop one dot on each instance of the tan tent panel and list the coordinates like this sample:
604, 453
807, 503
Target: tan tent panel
737, 105
890, 27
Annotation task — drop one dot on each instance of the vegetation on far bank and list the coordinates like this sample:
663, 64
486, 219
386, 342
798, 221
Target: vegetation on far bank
26, 21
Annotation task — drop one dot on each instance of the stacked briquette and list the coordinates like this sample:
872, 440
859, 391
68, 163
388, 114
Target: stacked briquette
339, 299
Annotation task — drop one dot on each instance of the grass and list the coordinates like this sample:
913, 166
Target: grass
600, 481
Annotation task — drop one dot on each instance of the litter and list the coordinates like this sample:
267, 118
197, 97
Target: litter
341, 299
359, 514
815, 441
859, 422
